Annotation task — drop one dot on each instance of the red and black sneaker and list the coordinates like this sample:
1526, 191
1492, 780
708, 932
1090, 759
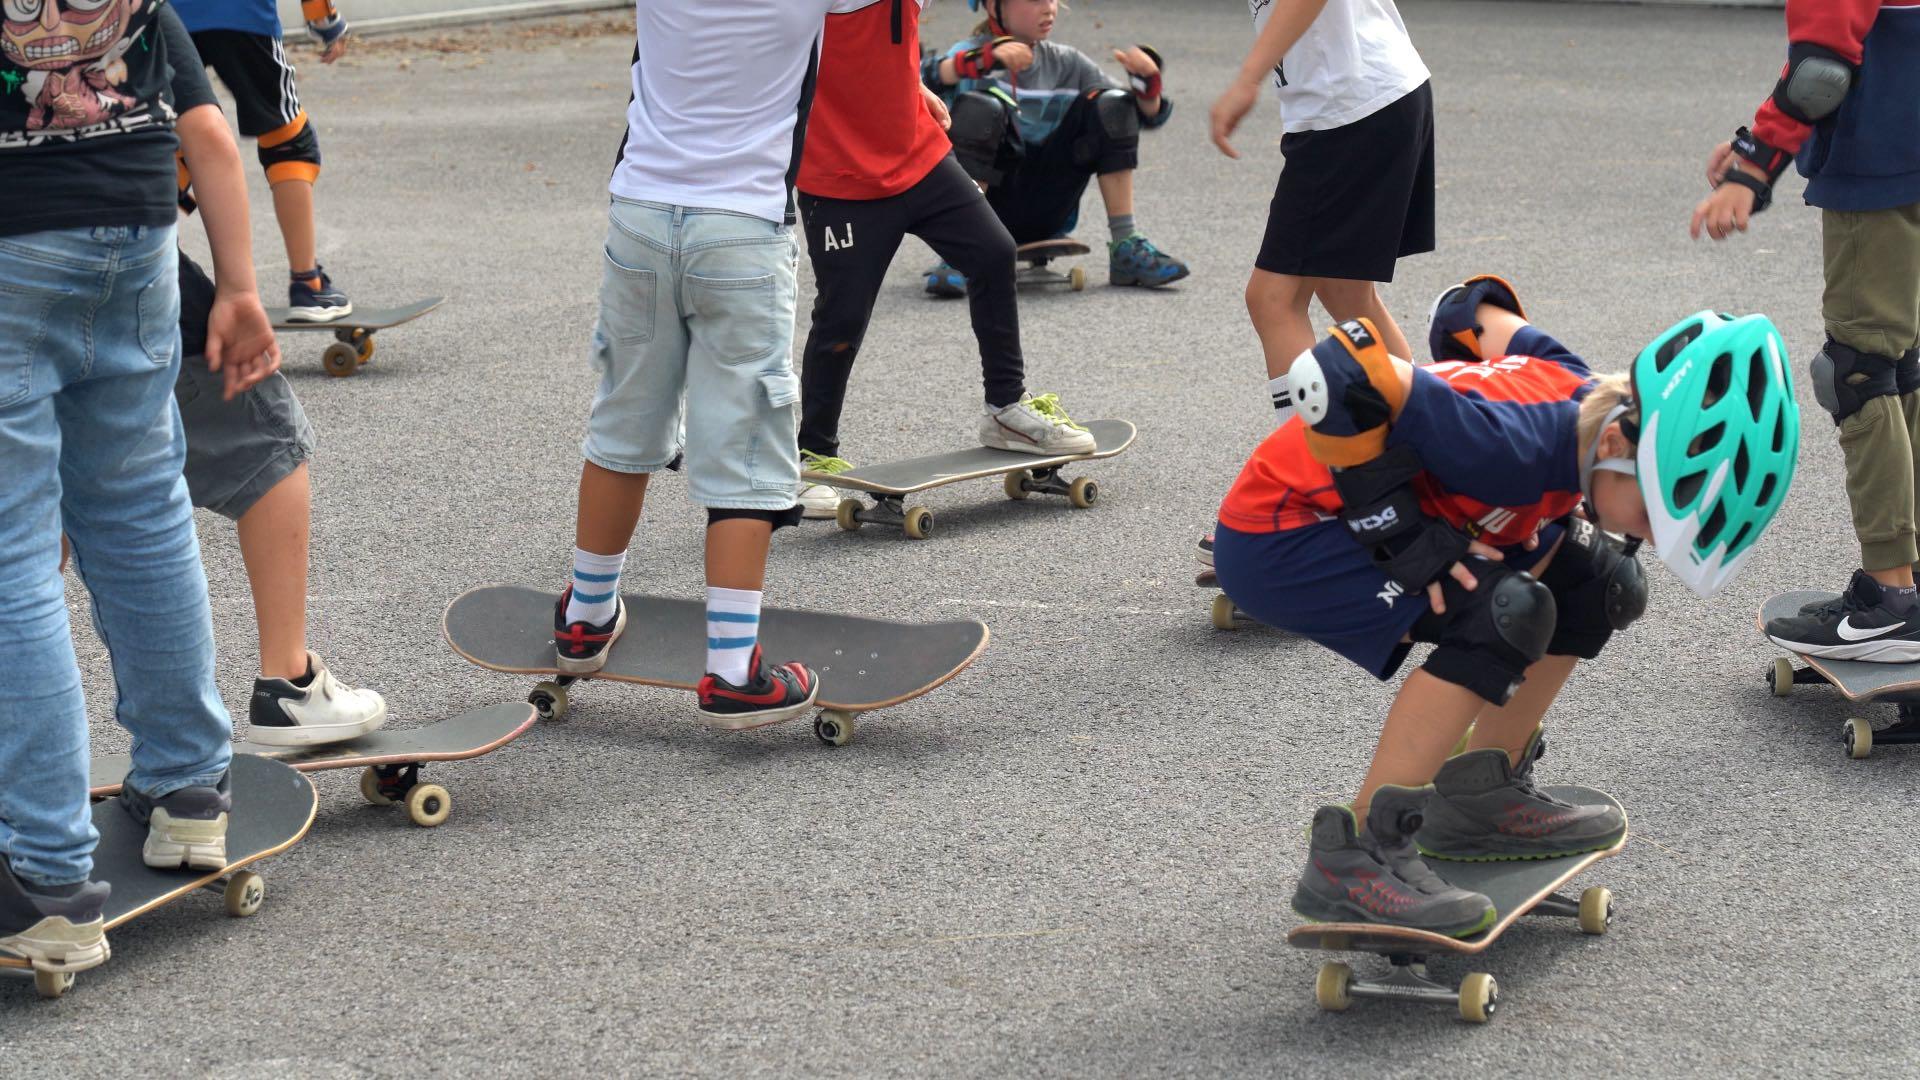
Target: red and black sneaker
580, 648
772, 693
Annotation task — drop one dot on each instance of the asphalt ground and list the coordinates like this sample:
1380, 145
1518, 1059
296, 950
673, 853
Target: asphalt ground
1075, 859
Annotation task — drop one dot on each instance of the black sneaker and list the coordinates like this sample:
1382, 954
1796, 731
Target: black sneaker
57, 928
187, 827
771, 694
1860, 625
1378, 876
314, 299
1485, 810
580, 648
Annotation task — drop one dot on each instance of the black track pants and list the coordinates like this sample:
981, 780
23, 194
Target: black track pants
851, 243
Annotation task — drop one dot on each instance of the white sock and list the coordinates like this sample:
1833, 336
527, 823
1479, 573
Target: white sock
1282, 395
596, 586
733, 626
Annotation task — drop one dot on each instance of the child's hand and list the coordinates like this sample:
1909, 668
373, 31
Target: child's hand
1728, 209
1015, 56
1460, 573
936, 108
240, 342
1717, 162
1137, 62
336, 50
1231, 108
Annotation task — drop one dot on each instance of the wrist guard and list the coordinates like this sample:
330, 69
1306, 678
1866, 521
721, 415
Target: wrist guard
328, 31
977, 62
1382, 511
1148, 86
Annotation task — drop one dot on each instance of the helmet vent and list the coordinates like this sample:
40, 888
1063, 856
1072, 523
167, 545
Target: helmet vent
1672, 347
1733, 542
1706, 440
1766, 490
1740, 464
1688, 489
1719, 377
1710, 529
1756, 384
1780, 432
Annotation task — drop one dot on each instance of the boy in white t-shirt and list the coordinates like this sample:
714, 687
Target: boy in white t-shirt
1357, 190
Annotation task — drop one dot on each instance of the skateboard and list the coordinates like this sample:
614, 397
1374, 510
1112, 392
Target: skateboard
1038, 254
1026, 474
391, 758
863, 664
273, 806
1858, 681
353, 333
1516, 887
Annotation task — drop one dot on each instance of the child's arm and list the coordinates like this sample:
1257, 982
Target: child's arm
1289, 20
1143, 78
1826, 40
327, 26
977, 61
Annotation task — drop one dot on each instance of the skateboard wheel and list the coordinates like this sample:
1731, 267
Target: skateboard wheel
370, 788
366, 349
549, 699
1858, 735
1083, 492
245, 892
1782, 677
833, 727
1479, 997
428, 805
919, 522
340, 359
1015, 485
52, 984
847, 515
1223, 612
1332, 988
1077, 279
1596, 910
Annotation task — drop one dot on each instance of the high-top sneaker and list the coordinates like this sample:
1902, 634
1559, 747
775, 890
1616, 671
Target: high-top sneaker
56, 928
1378, 876
1863, 624
323, 710
187, 827
1484, 809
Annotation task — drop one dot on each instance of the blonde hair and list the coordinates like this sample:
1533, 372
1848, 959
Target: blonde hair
1608, 391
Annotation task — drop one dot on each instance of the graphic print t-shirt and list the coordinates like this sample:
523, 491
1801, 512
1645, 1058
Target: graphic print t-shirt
86, 124
869, 135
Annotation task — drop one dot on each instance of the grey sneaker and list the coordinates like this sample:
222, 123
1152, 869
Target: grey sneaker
1483, 810
819, 501
187, 827
57, 928
1378, 876
1035, 425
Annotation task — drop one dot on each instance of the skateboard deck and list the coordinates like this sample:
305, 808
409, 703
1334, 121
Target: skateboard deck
1516, 887
1026, 474
1858, 681
273, 806
1038, 254
392, 757
863, 664
353, 333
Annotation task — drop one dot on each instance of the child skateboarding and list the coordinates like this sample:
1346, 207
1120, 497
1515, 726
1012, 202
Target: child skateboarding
1443, 505
240, 40
877, 167
90, 439
696, 324
1845, 110
1034, 120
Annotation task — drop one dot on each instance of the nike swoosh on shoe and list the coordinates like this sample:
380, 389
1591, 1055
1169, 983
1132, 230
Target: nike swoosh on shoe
1848, 632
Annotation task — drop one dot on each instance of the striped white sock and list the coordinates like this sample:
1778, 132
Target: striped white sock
733, 625
1282, 393
596, 584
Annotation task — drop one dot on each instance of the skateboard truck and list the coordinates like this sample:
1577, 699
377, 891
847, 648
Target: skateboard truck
834, 727
427, 804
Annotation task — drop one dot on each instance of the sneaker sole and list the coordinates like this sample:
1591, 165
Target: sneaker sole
57, 945
1140, 282
1598, 845
317, 734
319, 315
201, 845
1487, 920
1041, 451
598, 660
1872, 652
760, 719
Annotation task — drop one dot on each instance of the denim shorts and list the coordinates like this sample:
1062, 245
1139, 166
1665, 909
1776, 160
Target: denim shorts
694, 351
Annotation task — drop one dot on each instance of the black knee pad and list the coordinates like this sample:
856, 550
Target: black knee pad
1845, 379
1489, 636
982, 131
779, 519
1112, 142
291, 157
1597, 588
1906, 373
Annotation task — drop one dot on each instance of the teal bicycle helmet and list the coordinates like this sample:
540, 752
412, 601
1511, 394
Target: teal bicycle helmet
1717, 439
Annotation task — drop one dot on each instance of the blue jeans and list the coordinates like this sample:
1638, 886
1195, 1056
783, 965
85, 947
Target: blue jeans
90, 440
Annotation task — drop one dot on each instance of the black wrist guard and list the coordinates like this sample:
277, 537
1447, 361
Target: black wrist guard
1382, 510
1770, 159
1762, 191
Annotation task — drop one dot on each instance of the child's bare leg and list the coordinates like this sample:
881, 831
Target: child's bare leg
273, 543
1347, 298
1509, 726
1497, 327
1427, 719
1278, 304
1116, 190
293, 207
737, 553
609, 510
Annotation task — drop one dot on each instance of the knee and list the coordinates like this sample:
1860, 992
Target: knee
1845, 379
1276, 295
1347, 299
979, 127
291, 152
1489, 636
1111, 141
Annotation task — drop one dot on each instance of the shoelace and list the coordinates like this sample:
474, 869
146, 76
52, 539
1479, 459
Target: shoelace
813, 462
1048, 406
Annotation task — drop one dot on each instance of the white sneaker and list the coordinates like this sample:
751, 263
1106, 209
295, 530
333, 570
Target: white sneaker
1035, 425
818, 501
325, 710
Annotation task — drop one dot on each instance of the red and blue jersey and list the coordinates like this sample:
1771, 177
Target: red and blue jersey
1499, 440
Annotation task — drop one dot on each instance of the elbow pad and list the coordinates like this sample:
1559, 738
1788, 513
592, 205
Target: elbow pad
1816, 81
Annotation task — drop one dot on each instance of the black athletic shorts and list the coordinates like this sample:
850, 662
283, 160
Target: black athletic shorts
1351, 200
255, 68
